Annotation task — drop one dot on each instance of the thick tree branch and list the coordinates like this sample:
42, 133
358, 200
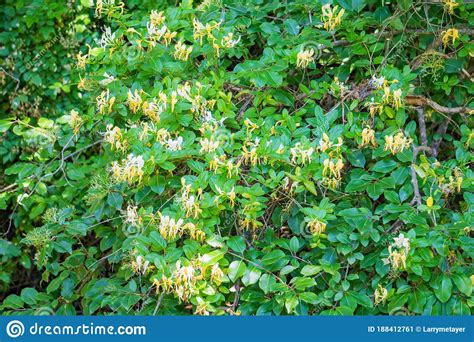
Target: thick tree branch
421, 125
418, 100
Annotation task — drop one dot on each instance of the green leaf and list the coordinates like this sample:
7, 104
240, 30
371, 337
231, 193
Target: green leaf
444, 288
463, 283
309, 297
384, 166
417, 301
362, 299
28, 295
356, 185
236, 269
13, 301
294, 244
310, 270
301, 283
292, 27
287, 269
396, 23
309, 185
353, 5
274, 260
356, 158
397, 303
5, 124
266, 283
291, 303
268, 77
237, 243
115, 200
251, 276
374, 190
212, 258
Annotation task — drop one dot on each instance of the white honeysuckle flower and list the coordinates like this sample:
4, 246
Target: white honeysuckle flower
402, 242
175, 144
107, 39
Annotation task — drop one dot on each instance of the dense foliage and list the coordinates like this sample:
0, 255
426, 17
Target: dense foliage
238, 157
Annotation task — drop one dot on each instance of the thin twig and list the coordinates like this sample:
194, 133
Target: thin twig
158, 304
440, 133
414, 179
237, 295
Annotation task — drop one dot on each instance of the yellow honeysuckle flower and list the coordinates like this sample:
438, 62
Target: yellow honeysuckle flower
228, 40
251, 126
104, 101
134, 100
216, 274
333, 169
429, 202
331, 17
130, 171
397, 98
199, 30
173, 100
298, 153
81, 60
157, 18
152, 110
182, 52
397, 143
216, 48
168, 36
81, 84
452, 34
75, 121
99, 6
155, 34
449, 5
368, 137
304, 58
316, 227
208, 145
380, 294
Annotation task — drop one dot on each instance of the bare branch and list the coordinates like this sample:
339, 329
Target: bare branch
414, 180
440, 132
422, 126
416, 100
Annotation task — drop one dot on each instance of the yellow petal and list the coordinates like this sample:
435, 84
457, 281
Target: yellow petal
429, 202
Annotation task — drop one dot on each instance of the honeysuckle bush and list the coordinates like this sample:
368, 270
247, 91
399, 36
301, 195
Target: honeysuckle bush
251, 157
38, 40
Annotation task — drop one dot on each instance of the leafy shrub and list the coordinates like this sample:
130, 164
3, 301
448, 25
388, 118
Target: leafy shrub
249, 157
37, 44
